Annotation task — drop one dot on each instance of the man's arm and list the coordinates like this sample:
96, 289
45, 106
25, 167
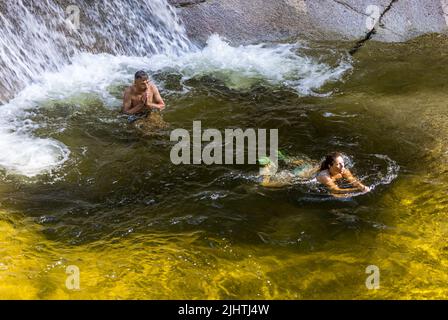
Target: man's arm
158, 102
127, 101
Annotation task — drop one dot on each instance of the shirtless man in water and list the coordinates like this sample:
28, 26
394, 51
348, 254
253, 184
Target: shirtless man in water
333, 169
141, 98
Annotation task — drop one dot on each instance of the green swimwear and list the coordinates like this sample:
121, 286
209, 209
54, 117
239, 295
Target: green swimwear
304, 170
264, 161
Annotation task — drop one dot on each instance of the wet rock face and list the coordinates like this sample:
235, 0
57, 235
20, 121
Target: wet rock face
410, 18
244, 21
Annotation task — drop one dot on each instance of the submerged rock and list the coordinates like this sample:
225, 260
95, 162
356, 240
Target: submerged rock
152, 125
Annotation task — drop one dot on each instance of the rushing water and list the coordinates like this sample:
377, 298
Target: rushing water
79, 186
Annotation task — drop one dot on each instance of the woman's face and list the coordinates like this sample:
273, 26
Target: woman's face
338, 166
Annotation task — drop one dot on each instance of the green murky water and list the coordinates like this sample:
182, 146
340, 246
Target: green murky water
139, 227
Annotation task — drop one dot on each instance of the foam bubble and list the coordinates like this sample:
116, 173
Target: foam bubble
31, 156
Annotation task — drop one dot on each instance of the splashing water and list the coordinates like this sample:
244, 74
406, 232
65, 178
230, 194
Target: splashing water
241, 67
50, 62
36, 45
38, 36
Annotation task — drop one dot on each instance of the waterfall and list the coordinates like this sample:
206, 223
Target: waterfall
38, 36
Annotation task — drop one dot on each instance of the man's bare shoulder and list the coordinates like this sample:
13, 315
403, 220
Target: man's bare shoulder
129, 90
153, 86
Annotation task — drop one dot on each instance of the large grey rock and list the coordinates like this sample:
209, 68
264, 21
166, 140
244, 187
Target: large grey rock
245, 21
408, 19
344, 19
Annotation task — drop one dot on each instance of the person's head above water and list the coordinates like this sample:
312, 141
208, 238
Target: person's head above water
141, 80
334, 163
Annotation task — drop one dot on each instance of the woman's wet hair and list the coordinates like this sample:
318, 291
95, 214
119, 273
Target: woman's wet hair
329, 160
141, 75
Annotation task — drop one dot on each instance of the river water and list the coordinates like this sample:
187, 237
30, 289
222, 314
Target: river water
80, 186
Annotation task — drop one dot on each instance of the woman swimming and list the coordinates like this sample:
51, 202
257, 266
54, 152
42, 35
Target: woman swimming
332, 170
328, 173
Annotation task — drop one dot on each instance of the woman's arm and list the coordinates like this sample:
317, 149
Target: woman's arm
333, 187
354, 182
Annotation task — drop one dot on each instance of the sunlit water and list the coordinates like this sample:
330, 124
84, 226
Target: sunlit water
80, 186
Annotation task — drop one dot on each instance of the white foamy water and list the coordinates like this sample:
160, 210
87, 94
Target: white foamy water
24, 154
40, 54
39, 36
239, 67
391, 173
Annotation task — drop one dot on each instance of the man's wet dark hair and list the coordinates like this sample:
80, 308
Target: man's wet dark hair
141, 75
329, 160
